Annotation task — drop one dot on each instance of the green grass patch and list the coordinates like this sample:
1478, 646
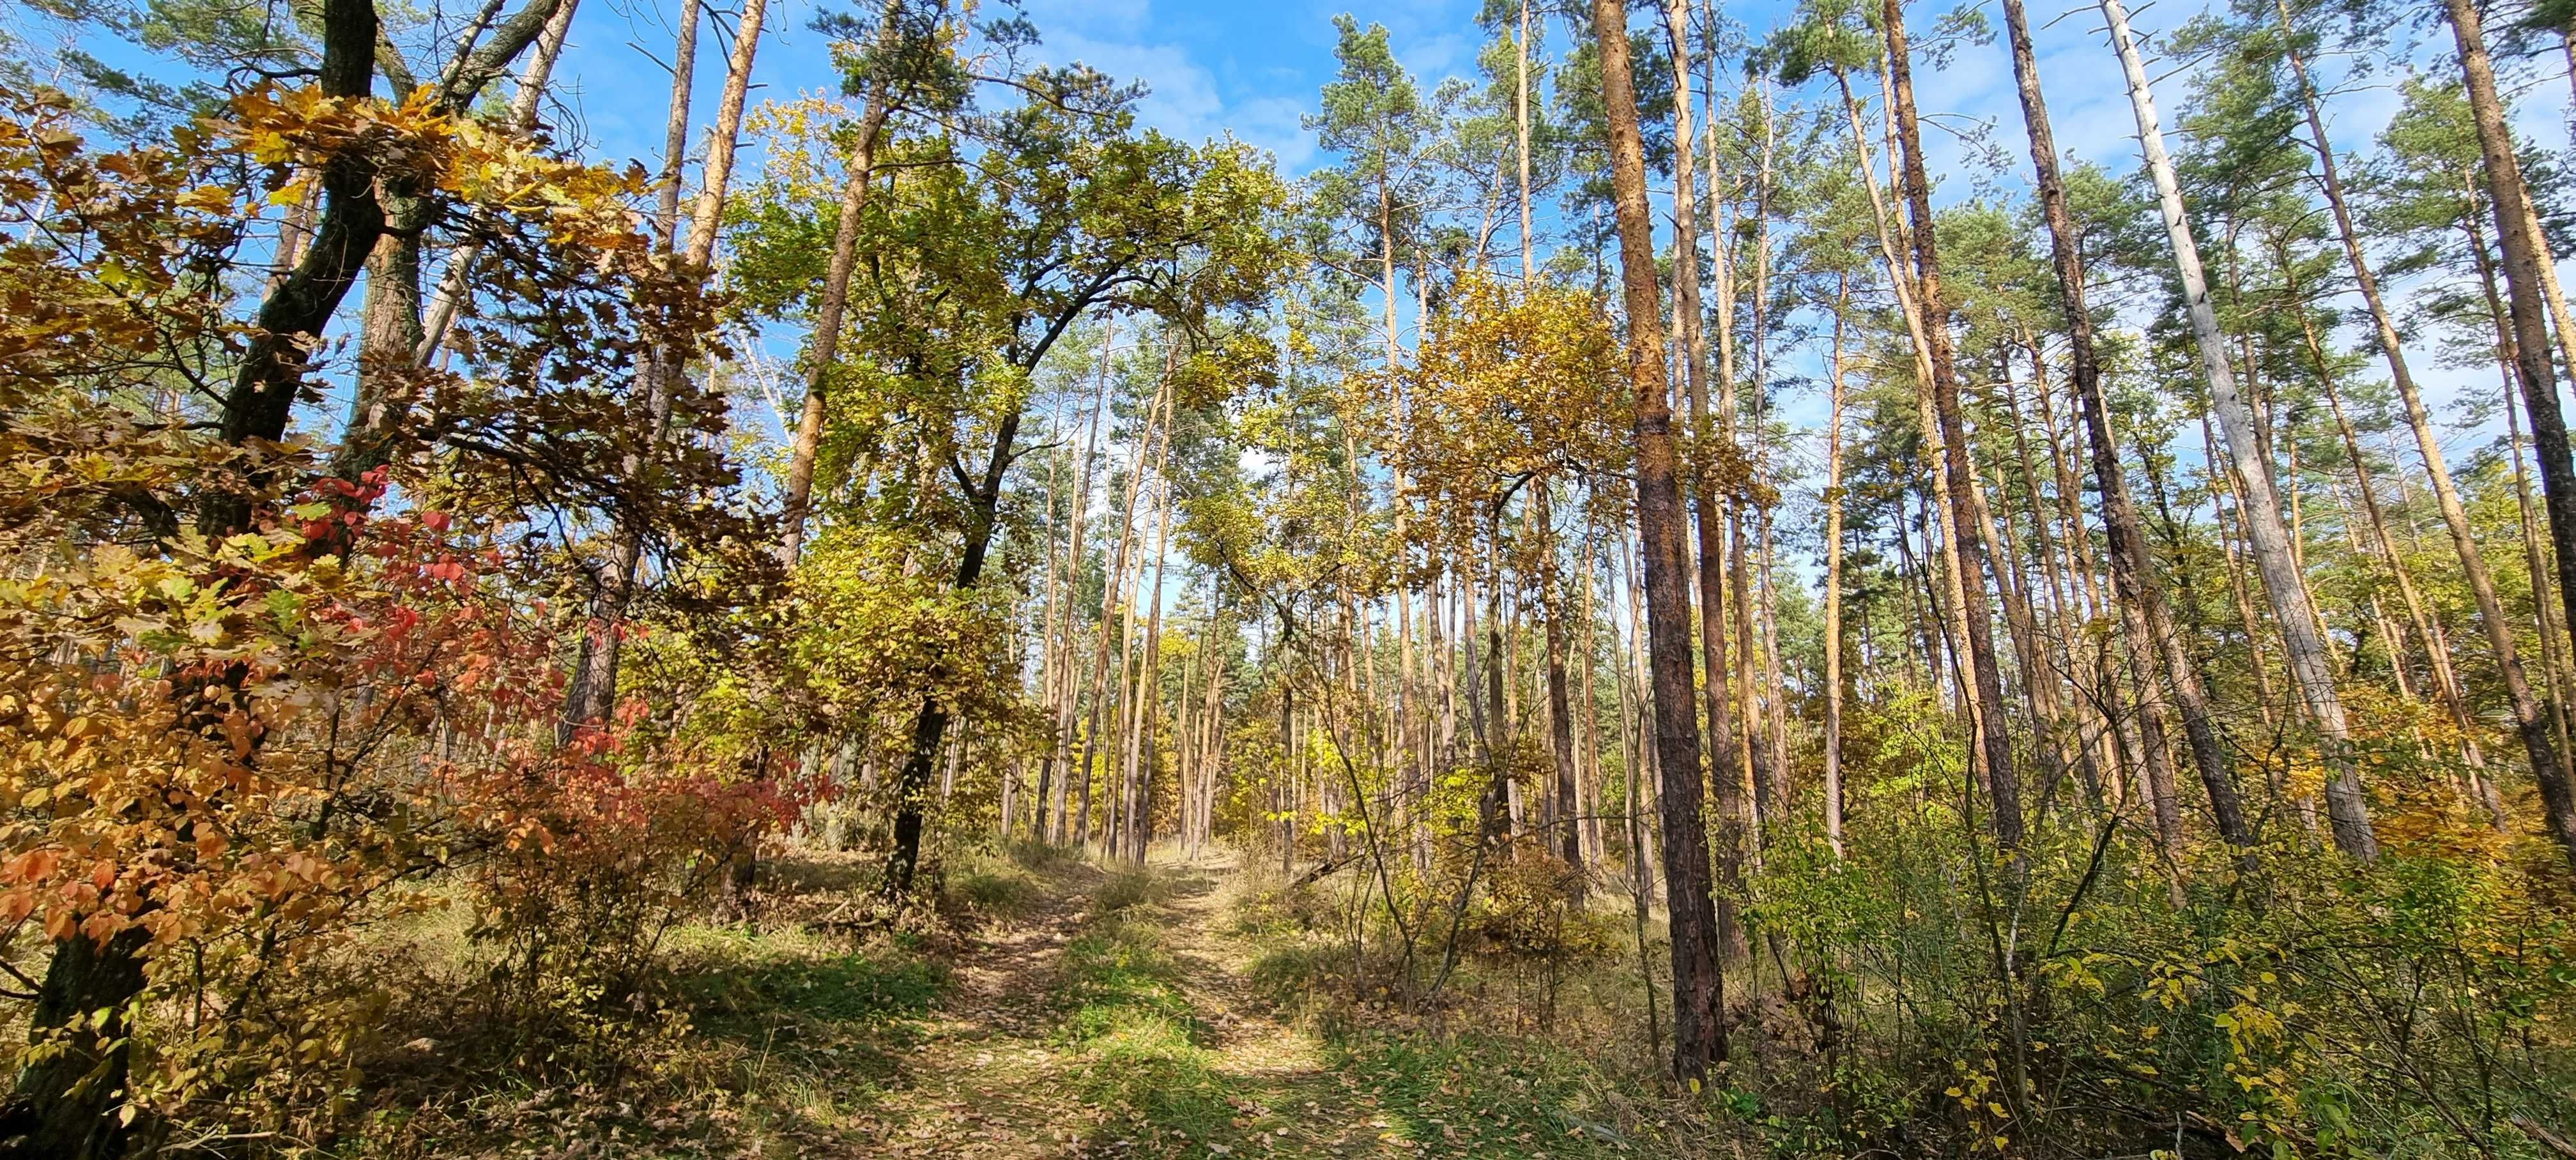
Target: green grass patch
993, 887
861, 987
1148, 1064
1126, 890
1475, 1095
795, 1004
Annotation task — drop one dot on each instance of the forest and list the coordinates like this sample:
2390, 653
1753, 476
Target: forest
959, 578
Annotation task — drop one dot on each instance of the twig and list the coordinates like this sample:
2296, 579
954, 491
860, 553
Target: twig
2547, 1138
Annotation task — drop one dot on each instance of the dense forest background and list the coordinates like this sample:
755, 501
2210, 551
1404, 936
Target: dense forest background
1668, 591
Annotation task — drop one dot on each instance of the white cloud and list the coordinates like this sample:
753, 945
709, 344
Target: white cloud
1188, 100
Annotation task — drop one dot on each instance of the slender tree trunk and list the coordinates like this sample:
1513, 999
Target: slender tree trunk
1068, 710
391, 329
2054, 652
1521, 129
1833, 776
2540, 744
2311, 669
1560, 698
2537, 551
1591, 780
2145, 620
595, 686
826, 343
1117, 584
1699, 1032
2004, 783
2437, 653
1947, 614
1745, 598
1724, 759
1149, 683
2525, 273
290, 321
456, 283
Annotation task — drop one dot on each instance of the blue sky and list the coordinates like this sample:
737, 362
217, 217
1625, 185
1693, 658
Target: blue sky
1253, 70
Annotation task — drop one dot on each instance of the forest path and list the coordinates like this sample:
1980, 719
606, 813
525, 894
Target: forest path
984, 1080
1115, 1018
1290, 1098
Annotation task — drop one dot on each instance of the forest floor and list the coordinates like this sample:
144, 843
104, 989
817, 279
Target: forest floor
1114, 1014
1059, 1010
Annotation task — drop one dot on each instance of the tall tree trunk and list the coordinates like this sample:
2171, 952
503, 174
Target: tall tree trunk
826, 342
1560, 698
1725, 761
2446, 681
2303, 645
2537, 551
1946, 615
391, 331
2145, 620
595, 690
2524, 274
1149, 683
2004, 781
1833, 776
1521, 129
1117, 584
2540, 744
290, 321
1699, 1033
2054, 651
1746, 596
1068, 710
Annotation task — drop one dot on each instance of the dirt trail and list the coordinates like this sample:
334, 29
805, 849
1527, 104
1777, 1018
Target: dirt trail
992, 1077
984, 1080
1294, 1104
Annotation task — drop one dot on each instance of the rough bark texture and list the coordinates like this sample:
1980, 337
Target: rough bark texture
1725, 760
1699, 1036
2004, 782
2145, 621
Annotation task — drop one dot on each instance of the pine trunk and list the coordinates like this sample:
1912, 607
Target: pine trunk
1699, 1033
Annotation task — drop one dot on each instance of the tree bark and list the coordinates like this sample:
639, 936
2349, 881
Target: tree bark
1117, 584
827, 327
2294, 612
1699, 1035
2523, 275
1725, 760
2004, 782
392, 332
1833, 774
595, 687
2145, 620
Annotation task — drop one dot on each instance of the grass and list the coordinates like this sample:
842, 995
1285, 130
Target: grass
1128, 889
779, 1037
1481, 1095
867, 987
1147, 1060
1000, 888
